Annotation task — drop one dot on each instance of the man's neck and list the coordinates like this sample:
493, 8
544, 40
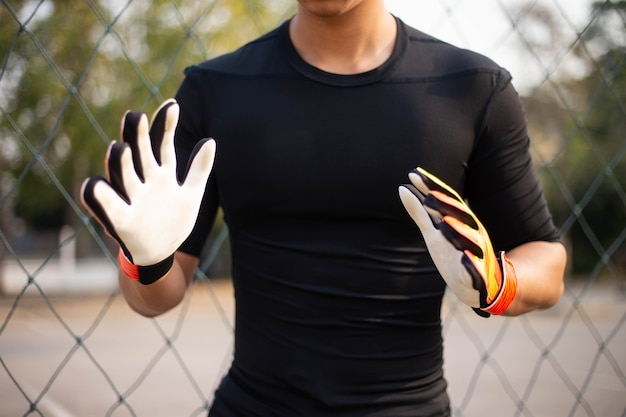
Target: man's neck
350, 43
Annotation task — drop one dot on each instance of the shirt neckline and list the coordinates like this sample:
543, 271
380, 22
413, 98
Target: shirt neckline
343, 80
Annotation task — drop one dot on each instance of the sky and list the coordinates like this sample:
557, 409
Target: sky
485, 27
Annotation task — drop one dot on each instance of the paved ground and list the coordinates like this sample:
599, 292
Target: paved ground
89, 355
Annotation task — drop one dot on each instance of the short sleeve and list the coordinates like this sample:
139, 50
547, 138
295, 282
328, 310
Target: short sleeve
190, 130
501, 185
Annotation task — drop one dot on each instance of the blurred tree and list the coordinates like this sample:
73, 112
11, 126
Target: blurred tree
585, 178
66, 81
70, 69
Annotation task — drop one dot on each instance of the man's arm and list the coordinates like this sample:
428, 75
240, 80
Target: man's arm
143, 206
540, 267
164, 294
523, 279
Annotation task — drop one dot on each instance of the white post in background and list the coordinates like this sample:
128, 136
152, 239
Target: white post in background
67, 253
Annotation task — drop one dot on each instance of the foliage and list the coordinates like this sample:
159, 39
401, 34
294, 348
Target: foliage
585, 179
69, 70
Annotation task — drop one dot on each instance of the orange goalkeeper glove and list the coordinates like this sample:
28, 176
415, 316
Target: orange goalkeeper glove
459, 244
141, 203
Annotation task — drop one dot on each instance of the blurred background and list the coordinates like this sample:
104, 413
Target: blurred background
69, 346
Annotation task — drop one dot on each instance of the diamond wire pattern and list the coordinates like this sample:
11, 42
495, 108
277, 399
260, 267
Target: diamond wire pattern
169, 356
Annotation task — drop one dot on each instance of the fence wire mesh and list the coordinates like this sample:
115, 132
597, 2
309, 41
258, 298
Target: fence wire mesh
69, 345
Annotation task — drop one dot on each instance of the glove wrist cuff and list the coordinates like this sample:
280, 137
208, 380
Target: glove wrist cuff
144, 274
507, 290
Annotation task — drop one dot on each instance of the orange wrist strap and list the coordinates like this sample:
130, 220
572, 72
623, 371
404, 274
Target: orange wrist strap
508, 289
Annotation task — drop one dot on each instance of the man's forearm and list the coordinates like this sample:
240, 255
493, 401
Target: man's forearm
540, 267
162, 295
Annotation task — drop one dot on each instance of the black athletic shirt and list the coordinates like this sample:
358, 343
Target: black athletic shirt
337, 300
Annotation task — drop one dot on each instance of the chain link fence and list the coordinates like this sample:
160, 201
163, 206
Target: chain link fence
69, 345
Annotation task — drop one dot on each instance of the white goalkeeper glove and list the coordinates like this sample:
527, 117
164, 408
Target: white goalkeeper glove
141, 203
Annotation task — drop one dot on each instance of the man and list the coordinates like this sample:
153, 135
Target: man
338, 289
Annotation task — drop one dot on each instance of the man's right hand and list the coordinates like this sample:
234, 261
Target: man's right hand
141, 203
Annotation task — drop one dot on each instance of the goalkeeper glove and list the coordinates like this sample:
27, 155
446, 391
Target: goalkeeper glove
141, 204
459, 244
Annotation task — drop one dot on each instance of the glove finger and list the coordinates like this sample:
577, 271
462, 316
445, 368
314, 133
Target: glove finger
462, 237
433, 183
135, 132
162, 130
111, 202
113, 165
438, 201
91, 203
200, 164
98, 197
422, 193
121, 171
417, 187
417, 180
411, 198
130, 121
449, 206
